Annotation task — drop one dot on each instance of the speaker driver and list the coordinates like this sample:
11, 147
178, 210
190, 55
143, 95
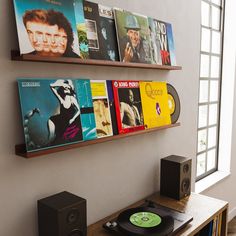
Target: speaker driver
186, 168
73, 216
75, 232
185, 185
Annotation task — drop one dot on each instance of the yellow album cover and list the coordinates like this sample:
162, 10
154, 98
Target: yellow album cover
155, 104
101, 108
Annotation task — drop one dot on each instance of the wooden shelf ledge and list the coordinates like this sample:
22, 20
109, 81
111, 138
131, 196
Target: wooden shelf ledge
20, 149
15, 56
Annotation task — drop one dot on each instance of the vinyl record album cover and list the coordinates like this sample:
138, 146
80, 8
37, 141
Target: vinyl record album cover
161, 32
50, 113
133, 36
108, 32
128, 105
95, 41
81, 29
101, 108
171, 44
155, 42
112, 106
47, 28
154, 97
84, 94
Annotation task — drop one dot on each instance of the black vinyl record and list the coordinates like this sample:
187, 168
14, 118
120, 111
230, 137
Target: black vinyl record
145, 221
174, 103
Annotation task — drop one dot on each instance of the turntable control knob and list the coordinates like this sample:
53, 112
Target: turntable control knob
111, 224
114, 224
108, 224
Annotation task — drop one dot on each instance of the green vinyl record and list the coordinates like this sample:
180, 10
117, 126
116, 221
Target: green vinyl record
145, 219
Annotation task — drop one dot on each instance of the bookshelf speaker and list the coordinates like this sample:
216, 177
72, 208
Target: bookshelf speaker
175, 177
62, 214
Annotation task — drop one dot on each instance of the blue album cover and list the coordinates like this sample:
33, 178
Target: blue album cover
51, 113
47, 28
84, 94
171, 44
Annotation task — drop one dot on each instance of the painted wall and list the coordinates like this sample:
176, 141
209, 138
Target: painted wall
110, 175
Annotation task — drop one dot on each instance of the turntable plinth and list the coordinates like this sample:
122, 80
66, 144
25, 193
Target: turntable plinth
203, 209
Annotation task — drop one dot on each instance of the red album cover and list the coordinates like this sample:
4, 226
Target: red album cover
128, 106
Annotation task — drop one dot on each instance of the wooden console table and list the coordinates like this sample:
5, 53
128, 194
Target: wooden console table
203, 209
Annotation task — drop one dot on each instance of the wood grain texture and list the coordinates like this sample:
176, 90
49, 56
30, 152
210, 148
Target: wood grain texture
20, 149
15, 56
202, 208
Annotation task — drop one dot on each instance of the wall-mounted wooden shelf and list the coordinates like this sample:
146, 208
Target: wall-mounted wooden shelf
20, 149
15, 56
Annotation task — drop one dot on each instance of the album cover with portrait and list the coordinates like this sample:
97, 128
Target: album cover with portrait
156, 110
50, 113
101, 108
133, 36
108, 33
129, 112
81, 29
47, 28
84, 95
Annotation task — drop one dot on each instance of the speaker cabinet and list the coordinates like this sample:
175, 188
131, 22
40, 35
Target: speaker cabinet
175, 176
62, 214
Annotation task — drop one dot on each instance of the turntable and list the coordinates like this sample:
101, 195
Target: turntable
149, 219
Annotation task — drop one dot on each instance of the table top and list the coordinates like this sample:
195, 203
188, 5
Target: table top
202, 208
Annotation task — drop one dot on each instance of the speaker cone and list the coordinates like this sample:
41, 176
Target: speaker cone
185, 185
186, 168
75, 232
73, 216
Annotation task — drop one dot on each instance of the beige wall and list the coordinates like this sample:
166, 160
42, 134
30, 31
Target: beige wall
109, 175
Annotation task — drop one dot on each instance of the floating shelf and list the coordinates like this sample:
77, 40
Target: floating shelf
15, 56
20, 149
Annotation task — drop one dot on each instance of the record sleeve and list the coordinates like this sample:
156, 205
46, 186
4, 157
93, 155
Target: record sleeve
47, 28
156, 110
128, 106
95, 40
81, 29
155, 42
84, 94
159, 29
50, 113
112, 106
133, 36
108, 33
101, 108
171, 44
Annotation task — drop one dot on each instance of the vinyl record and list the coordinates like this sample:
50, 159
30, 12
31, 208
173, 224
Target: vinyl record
145, 221
174, 103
